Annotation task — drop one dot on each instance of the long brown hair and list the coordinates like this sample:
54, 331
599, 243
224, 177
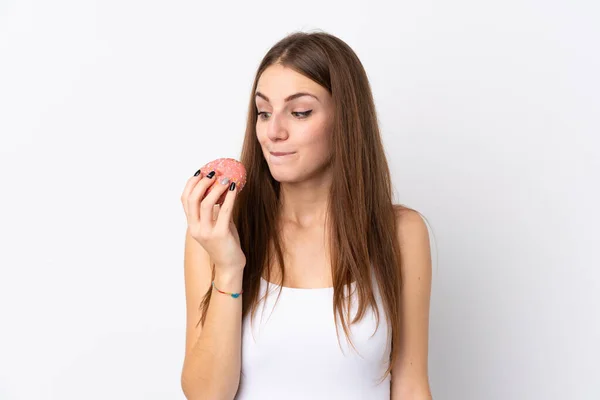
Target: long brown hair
361, 242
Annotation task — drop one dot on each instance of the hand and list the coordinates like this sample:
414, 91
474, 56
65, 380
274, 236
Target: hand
219, 237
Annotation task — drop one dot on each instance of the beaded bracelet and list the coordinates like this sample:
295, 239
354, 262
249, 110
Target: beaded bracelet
234, 295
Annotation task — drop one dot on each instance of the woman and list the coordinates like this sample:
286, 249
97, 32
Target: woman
315, 228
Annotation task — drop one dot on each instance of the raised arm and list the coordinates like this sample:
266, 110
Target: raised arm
212, 364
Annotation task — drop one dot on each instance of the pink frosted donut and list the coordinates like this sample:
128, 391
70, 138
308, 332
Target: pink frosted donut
226, 167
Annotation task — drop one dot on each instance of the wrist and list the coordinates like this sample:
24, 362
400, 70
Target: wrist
229, 280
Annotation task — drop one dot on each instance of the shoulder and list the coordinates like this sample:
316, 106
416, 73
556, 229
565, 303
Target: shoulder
410, 226
413, 239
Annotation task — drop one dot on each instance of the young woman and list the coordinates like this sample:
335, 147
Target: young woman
335, 278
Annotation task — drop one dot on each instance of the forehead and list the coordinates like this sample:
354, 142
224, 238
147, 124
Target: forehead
278, 82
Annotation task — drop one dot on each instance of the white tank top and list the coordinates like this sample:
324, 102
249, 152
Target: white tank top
291, 351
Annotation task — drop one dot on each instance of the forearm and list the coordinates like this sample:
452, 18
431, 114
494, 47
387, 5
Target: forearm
212, 369
410, 387
418, 392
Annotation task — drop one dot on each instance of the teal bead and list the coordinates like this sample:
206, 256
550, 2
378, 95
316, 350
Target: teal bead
235, 295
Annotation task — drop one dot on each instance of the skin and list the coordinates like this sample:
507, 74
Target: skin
305, 178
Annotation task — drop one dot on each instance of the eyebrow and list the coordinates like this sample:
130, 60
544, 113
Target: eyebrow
290, 97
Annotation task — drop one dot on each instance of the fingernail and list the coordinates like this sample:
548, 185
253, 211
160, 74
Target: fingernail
224, 181
210, 174
232, 186
197, 173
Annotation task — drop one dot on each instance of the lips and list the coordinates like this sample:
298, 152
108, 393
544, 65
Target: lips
280, 153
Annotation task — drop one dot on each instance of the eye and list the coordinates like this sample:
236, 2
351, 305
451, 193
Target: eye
302, 114
262, 114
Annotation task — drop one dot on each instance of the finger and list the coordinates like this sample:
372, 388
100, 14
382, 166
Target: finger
195, 197
224, 217
215, 213
190, 184
208, 203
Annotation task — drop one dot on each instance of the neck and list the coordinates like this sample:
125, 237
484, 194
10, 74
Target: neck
305, 203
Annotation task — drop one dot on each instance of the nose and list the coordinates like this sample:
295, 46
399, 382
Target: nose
276, 128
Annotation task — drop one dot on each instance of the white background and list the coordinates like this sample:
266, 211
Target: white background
489, 113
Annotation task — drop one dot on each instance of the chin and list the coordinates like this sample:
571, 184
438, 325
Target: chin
282, 177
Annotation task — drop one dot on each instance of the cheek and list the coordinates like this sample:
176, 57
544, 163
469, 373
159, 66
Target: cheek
318, 137
260, 136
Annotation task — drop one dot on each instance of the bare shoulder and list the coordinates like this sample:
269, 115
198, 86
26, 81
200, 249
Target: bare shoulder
411, 226
413, 238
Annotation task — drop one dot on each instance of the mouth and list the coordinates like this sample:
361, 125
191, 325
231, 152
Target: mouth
280, 157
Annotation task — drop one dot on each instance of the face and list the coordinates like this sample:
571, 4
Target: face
295, 116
